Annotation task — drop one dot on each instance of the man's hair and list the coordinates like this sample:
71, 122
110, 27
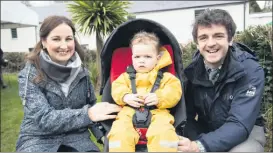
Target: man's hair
214, 16
144, 37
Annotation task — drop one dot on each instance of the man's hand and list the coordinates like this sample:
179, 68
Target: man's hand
186, 145
133, 100
150, 99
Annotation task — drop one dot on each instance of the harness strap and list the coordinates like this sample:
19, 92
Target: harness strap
156, 85
142, 116
157, 80
132, 75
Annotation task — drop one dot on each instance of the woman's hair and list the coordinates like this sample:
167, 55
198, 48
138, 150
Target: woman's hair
47, 26
143, 37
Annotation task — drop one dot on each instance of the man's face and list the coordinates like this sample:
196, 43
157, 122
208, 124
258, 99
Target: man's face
213, 44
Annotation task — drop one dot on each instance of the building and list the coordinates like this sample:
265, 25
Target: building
260, 18
14, 21
177, 16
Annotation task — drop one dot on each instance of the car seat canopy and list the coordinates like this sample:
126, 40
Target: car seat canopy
120, 38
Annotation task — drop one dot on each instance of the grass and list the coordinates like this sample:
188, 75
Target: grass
268, 115
12, 114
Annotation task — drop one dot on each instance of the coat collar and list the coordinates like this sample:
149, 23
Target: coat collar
232, 68
51, 85
164, 61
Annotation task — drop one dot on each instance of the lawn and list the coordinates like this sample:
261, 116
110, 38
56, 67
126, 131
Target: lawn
12, 114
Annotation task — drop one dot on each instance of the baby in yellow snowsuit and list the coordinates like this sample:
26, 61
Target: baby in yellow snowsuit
147, 57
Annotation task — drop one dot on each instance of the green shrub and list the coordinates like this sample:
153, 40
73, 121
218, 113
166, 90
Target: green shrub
269, 127
90, 63
93, 73
89, 57
187, 52
16, 61
259, 39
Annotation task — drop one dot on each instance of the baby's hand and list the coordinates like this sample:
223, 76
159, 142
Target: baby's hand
150, 99
133, 100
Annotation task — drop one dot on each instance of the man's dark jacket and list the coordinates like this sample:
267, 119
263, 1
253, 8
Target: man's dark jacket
228, 110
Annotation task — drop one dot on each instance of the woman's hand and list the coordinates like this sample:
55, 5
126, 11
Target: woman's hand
100, 111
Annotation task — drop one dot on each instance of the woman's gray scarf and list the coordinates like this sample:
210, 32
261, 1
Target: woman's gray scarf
63, 74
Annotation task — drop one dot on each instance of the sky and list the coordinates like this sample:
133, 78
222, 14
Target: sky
40, 3
44, 3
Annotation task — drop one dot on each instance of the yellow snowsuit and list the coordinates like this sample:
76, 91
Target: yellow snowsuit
161, 134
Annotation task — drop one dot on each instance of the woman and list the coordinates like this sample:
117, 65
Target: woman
59, 100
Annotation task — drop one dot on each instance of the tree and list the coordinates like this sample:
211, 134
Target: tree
100, 17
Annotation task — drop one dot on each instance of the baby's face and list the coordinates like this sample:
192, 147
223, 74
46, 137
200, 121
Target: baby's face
144, 57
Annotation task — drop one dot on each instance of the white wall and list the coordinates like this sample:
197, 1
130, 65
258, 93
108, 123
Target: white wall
86, 39
179, 22
260, 18
25, 40
82, 39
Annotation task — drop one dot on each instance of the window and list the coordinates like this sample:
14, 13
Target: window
198, 12
14, 33
30, 49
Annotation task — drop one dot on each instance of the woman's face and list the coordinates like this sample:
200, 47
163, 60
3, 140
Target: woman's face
60, 44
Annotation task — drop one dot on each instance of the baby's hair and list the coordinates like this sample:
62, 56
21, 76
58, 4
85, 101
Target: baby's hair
144, 37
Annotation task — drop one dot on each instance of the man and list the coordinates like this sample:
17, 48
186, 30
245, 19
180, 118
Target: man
224, 89
2, 63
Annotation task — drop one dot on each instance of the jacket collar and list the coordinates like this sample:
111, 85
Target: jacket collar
164, 61
51, 85
57, 72
232, 69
